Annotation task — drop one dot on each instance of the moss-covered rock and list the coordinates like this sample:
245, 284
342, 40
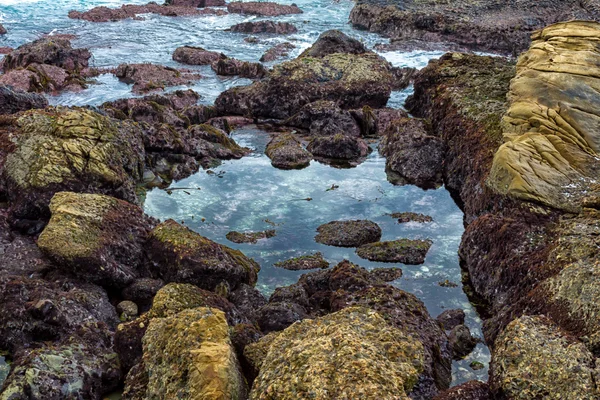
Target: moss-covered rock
338, 147
406, 251
178, 254
353, 353
410, 217
533, 358
348, 233
249, 237
197, 342
97, 237
151, 77
61, 149
286, 152
325, 118
13, 101
309, 261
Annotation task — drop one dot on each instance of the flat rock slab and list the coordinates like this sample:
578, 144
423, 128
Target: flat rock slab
249, 237
405, 251
348, 233
262, 8
310, 261
404, 217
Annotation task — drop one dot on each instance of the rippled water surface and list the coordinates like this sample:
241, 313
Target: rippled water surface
244, 193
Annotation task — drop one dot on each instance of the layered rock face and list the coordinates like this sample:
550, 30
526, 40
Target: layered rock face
520, 164
479, 25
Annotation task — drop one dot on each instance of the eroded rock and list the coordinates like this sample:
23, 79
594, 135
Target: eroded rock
13, 101
196, 55
310, 261
152, 77
279, 28
348, 233
262, 8
406, 251
126, 11
249, 237
277, 51
286, 152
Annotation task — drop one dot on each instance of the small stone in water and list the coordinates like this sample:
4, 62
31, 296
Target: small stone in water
476, 365
447, 283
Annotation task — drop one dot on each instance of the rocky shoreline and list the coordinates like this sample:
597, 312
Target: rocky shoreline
96, 296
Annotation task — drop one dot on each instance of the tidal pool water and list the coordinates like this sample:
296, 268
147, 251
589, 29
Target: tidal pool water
242, 194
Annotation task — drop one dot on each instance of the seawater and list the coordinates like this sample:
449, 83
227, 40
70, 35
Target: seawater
244, 194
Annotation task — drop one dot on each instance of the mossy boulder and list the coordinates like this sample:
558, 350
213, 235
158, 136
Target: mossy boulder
353, 353
286, 152
309, 261
406, 251
96, 237
13, 101
152, 77
197, 342
348, 233
196, 55
324, 118
338, 147
205, 142
409, 216
177, 254
550, 154
62, 149
533, 358
249, 237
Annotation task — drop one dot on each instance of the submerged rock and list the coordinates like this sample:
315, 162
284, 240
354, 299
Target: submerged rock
178, 254
406, 251
77, 150
13, 101
196, 55
412, 155
338, 147
151, 77
348, 233
262, 8
249, 237
317, 358
310, 261
277, 51
286, 152
533, 358
404, 217
96, 237
3, 30
279, 28
276, 316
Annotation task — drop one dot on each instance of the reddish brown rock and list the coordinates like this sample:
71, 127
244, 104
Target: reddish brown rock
277, 51
472, 390
5, 50
196, 56
151, 77
105, 14
262, 8
13, 101
338, 147
279, 28
195, 3
244, 69
3, 30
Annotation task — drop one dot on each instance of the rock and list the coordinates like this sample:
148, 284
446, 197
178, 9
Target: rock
195, 3
549, 159
5, 50
476, 365
127, 310
309, 261
150, 77
3, 30
404, 217
325, 118
315, 358
178, 254
483, 25
279, 28
207, 142
350, 79
56, 51
334, 41
406, 251
338, 147
286, 152
262, 8
249, 237
290, 294
13, 101
461, 342
277, 51
348, 233
245, 69
471, 390
198, 341
105, 14
196, 56
450, 319
243, 335
278, 316
386, 274
413, 154
248, 300
96, 237
533, 358
61, 149
142, 291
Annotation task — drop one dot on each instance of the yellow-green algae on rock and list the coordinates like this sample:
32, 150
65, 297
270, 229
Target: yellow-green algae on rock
534, 359
189, 356
552, 127
350, 354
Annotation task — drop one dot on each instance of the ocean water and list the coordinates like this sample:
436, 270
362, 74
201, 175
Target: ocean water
242, 194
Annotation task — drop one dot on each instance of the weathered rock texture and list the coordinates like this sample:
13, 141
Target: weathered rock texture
105, 14
478, 25
196, 55
13, 101
286, 152
262, 8
151, 77
280, 28
348, 233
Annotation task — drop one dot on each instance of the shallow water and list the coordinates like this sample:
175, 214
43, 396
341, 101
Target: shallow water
244, 193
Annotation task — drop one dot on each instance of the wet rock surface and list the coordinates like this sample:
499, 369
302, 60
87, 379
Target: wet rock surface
325, 118
461, 341
286, 152
262, 8
408, 216
278, 51
338, 147
196, 55
279, 28
472, 390
406, 251
348, 233
310, 261
450, 319
13, 101
249, 237
126, 11
151, 77
244, 69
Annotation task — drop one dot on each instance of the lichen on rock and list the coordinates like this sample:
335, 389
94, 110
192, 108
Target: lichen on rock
401, 250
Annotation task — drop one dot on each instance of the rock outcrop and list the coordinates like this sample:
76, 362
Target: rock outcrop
262, 8
278, 51
286, 152
12, 101
126, 11
348, 233
279, 28
151, 77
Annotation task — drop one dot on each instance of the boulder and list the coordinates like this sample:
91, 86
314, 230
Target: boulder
249, 237
334, 41
348, 233
3, 30
471, 390
245, 69
279, 28
412, 155
248, 300
286, 152
151, 77
61, 149
126, 11
325, 118
278, 51
461, 341
262, 8
406, 251
450, 319
533, 358
309, 261
177, 254
317, 358
338, 147
196, 55
276, 316
13, 101
195, 3
350, 79
51, 50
